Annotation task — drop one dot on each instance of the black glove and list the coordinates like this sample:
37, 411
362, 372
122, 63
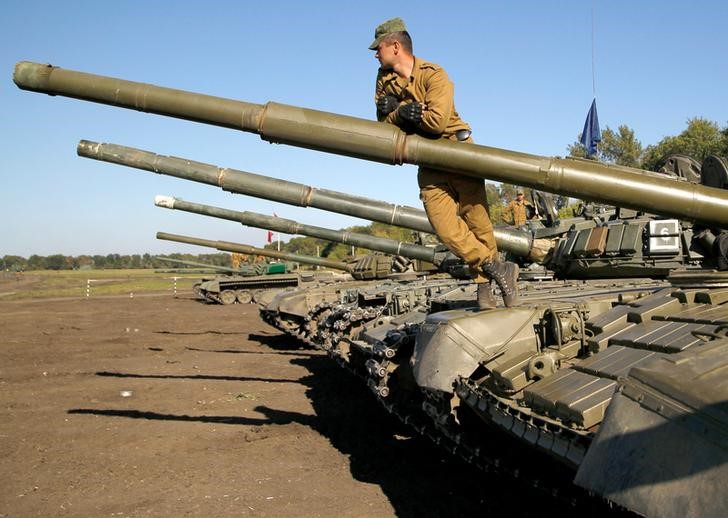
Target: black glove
387, 104
411, 112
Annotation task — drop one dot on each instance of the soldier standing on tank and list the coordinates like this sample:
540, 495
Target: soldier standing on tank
418, 97
516, 213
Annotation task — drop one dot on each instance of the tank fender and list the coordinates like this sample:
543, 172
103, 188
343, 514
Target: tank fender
452, 344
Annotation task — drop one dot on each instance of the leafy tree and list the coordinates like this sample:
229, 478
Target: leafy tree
576, 150
55, 262
14, 263
84, 261
724, 142
113, 261
567, 211
700, 139
617, 147
218, 259
493, 194
621, 147
36, 262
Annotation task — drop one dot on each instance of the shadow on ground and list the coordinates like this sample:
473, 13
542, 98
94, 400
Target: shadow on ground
418, 478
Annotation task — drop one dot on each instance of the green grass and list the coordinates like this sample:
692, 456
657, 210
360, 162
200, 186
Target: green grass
73, 283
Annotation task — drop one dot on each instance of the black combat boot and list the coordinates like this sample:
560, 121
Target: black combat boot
485, 296
505, 275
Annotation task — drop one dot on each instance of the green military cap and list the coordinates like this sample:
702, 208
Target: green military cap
388, 27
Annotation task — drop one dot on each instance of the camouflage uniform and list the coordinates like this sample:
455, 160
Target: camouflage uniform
456, 205
515, 213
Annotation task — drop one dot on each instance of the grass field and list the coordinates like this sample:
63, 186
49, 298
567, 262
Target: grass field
74, 283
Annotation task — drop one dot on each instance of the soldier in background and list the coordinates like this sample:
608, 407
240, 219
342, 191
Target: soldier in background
418, 97
518, 211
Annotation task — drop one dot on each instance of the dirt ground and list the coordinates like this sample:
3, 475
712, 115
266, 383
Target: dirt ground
161, 406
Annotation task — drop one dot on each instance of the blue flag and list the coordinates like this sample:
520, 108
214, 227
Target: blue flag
591, 134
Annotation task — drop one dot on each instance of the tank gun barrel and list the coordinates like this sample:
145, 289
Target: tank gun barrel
260, 186
385, 143
517, 242
198, 265
227, 246
288, 226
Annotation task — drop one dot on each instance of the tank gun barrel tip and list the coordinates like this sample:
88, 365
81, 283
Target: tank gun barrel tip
87, 148
28, 75
164, 201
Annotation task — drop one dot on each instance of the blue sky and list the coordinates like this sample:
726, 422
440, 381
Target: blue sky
522, 74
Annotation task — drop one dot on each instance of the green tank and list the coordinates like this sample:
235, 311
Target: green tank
298, 309
621, 384
249, 283
264, 283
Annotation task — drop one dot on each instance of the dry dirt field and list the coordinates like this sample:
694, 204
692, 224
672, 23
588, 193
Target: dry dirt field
162, 406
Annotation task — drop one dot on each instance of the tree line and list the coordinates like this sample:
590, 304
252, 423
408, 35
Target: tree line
700, 139
16, 263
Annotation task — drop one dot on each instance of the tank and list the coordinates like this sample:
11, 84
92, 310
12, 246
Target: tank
259, 287
249, 283
621, 384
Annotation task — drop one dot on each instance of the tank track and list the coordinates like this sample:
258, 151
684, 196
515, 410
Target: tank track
384, 367
309, 330
345, 321
430, 415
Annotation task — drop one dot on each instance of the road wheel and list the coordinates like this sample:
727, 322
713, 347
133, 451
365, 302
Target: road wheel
244, 296
227, 297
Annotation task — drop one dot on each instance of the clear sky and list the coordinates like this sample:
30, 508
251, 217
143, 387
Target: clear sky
522, 74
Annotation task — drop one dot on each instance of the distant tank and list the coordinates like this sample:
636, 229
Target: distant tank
297, 311
625, 387
262, 286
245, 284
